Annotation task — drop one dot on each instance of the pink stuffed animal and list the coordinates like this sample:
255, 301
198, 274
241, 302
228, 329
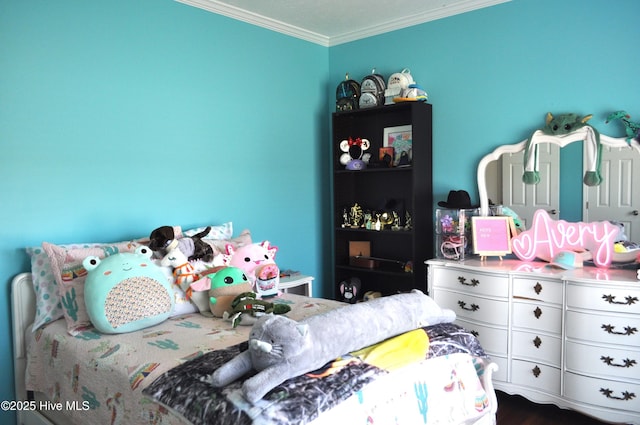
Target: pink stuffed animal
258, 263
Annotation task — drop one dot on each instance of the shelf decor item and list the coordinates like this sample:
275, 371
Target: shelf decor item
491, 236
400, 138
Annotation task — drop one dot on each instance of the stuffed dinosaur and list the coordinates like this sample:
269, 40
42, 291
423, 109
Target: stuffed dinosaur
281, 348
632, 129
246, 309
563, 125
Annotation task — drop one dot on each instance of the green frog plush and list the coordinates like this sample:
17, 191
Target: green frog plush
126, 292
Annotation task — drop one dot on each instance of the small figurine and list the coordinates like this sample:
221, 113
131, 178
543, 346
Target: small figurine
407, 221
356, 216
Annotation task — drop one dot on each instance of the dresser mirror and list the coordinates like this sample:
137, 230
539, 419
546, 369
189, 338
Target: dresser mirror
617, 198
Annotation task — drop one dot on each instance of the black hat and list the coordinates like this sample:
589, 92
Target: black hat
458, 200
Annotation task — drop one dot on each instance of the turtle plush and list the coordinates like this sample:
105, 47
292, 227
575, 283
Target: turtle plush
246, 309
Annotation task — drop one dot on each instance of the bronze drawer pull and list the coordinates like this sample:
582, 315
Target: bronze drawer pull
463, 281
626, 395
537, 312
625, 363
537, 342
537, 288
463, 305
628, 300
628, 330
536, 371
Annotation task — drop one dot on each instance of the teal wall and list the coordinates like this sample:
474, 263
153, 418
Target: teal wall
118, 116
493, 74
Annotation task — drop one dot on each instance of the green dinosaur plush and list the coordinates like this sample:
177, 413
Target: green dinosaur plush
561, 125
246, 309
632, 129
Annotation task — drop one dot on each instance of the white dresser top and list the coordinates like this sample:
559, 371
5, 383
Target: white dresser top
515, 267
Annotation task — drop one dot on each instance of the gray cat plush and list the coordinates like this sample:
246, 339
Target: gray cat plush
281, 348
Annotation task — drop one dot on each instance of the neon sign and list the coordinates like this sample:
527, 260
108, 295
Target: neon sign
547, 237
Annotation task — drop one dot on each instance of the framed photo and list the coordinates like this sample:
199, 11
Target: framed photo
386, 156
400, 139
491, 235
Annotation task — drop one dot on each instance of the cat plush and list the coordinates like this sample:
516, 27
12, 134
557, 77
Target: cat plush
281, 348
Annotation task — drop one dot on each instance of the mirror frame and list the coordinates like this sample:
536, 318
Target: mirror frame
562, 141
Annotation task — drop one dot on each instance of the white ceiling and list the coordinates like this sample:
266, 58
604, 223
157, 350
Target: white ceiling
333, 22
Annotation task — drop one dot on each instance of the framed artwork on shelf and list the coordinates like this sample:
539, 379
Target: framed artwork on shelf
399, 138
491, 235
386, 156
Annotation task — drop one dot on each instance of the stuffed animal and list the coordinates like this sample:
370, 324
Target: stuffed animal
252, 259
193, 247
183, 271
126, 292
246, 309
221, 286
632, 129
350, 289
281, 348
562, 125
267, 280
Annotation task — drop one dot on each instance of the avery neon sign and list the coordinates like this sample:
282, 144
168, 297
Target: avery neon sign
546, 237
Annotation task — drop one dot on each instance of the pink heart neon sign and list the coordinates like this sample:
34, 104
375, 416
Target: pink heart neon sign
546, 237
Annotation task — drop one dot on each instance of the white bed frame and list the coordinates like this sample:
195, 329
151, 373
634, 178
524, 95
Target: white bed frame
23, 303
23, 310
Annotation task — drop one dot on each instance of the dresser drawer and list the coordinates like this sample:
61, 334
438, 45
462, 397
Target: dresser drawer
604, 361
537, 347
493, 340
604, 298
471, 282
474, 308
623, 330
600, 392
535, 375
538, 289
537, 316
501, 373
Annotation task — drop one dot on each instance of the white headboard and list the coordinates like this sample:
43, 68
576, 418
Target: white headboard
23, 309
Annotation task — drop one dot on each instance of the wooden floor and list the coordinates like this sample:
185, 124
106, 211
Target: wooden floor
514, 410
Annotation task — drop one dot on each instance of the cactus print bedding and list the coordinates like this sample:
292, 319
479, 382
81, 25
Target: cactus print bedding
154, 376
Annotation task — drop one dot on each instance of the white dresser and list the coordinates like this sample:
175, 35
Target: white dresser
567, 337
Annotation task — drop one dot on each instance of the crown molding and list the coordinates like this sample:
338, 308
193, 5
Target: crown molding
323, 40
421, 18
259, 20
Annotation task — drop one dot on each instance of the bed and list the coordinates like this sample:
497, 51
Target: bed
142, 377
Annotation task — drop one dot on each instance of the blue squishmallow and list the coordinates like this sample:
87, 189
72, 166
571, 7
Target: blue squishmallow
126, 292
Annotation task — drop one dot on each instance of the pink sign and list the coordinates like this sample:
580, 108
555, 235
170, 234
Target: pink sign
547, 237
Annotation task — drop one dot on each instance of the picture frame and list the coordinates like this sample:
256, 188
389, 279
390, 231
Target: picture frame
491, 235
400, 138
386, 156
